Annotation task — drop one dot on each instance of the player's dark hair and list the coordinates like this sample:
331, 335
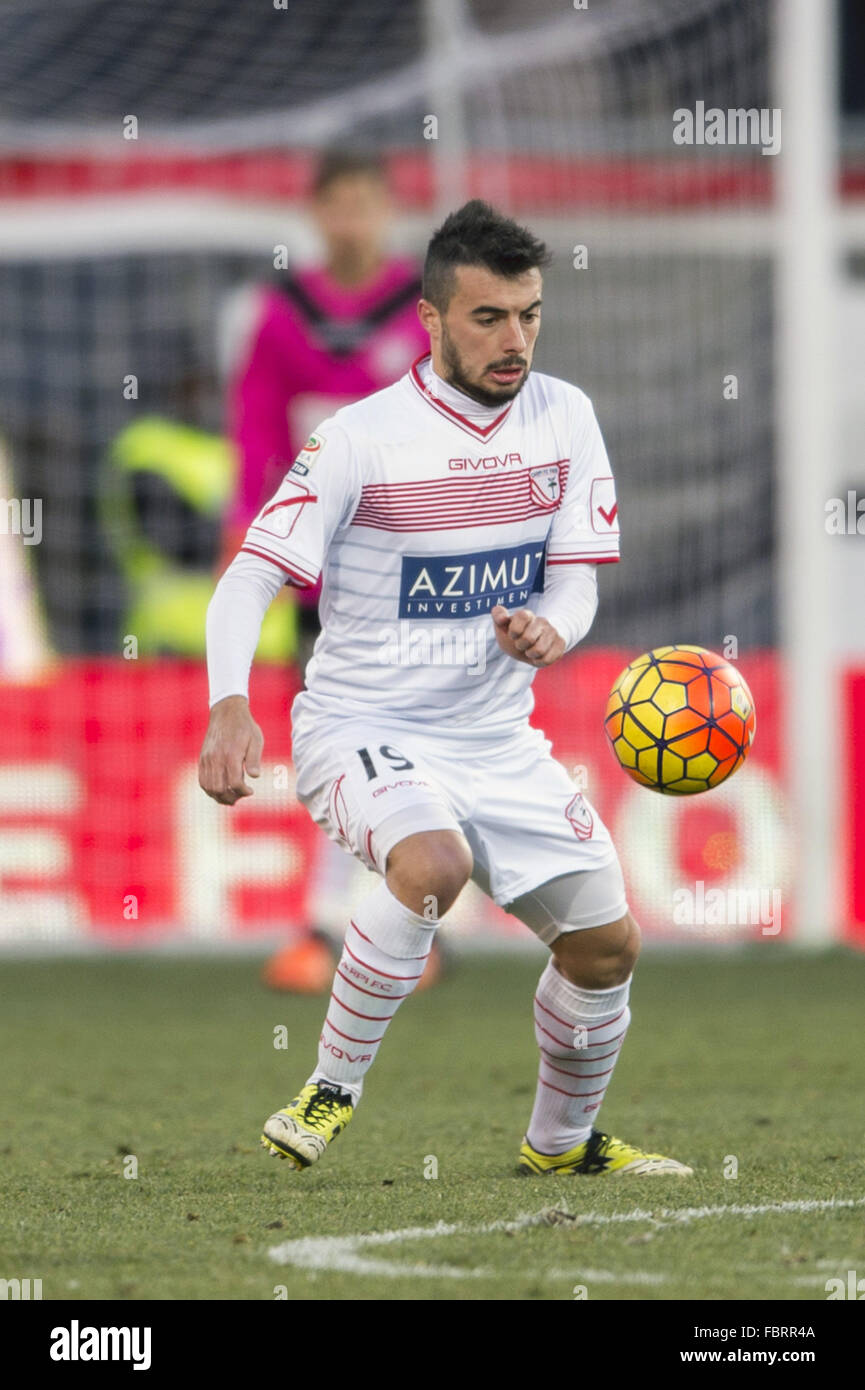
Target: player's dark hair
477, 234
339, 162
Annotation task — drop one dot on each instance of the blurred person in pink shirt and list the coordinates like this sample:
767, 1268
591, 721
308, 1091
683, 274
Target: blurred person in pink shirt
323, 336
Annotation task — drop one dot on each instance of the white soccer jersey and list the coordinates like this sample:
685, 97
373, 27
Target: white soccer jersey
420, 520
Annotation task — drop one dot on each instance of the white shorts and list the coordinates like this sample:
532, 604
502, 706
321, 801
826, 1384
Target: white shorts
369, 785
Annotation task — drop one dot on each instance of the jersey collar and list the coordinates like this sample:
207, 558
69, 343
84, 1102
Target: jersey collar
482, 432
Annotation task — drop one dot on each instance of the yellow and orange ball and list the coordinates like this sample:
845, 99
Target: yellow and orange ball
680, 720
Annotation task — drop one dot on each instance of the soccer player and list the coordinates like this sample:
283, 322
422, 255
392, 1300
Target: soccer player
324, 335
457, 518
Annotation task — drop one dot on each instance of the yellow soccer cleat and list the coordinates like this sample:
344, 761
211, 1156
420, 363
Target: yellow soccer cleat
600, 1153
302, 1131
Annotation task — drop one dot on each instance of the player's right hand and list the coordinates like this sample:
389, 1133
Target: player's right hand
232, 746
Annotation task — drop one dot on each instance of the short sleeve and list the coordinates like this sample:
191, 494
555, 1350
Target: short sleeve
586, 526
318, 494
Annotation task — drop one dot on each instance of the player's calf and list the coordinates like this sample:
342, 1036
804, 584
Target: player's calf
582, 1014
385, 951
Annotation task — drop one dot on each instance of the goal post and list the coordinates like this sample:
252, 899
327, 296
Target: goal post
808, 259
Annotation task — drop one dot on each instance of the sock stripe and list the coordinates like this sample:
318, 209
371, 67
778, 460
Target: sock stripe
584, 1076
575, 1095
371, 1018
387, 976
371, 992
348, 1037
582, 1058
568, 1024
551, 1014
560, 1070
564, 1113
577, 1076
377, 962
372, 943
568, 1045
379, 972
572, 1047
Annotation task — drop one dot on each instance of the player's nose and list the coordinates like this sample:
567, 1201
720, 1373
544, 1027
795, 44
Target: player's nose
514, 339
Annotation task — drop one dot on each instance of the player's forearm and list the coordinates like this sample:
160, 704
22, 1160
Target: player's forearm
569, 601
234, 618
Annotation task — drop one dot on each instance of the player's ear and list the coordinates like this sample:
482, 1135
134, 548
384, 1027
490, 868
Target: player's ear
429, 317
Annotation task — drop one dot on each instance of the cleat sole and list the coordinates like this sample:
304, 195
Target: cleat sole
274, 1151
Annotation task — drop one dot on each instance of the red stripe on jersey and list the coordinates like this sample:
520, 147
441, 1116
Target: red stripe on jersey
585, 560
433, 487
454, 524
304, 581
289, 502
450, 504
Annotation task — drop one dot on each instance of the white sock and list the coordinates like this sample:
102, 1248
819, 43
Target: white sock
385, 951
579, 1033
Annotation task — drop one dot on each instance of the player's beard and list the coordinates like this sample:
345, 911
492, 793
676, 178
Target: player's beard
456, 375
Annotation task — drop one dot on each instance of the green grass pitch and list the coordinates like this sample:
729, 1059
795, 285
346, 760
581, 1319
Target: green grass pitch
756, 1058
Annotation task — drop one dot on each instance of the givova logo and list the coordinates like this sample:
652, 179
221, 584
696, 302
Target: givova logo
457, 586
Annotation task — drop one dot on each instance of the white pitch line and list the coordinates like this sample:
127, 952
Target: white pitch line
346, 1253
685, 1214
595, 1276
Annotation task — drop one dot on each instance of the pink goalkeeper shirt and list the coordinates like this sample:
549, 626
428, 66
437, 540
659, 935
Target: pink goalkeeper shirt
315, 347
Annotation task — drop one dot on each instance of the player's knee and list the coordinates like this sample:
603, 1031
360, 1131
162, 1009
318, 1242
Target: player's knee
601, 957
429, 870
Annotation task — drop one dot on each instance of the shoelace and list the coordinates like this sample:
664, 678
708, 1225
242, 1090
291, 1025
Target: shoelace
596, 1156
317, 1109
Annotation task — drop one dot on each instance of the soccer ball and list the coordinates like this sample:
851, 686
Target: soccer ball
680, 720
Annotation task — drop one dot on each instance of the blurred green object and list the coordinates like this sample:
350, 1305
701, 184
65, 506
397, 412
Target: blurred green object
166, 487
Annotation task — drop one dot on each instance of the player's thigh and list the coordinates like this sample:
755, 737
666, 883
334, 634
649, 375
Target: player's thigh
370, 790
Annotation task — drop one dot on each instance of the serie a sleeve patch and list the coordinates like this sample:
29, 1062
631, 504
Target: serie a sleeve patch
309, 455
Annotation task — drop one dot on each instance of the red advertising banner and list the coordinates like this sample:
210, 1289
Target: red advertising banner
105, 834
853, 793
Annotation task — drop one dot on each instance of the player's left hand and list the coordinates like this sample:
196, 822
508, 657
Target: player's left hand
526, 637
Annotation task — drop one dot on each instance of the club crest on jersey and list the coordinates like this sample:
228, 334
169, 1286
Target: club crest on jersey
605, 508
580, 817
459, 586
308, 455
545, 485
